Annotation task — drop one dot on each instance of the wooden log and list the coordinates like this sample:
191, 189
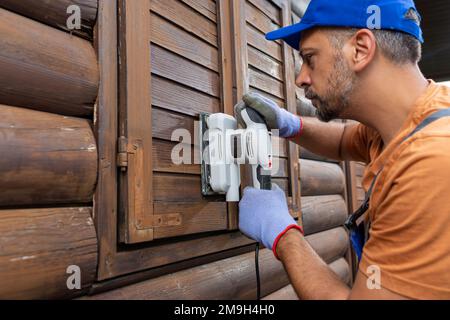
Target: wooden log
321, 178
38, 246
323, 213
46, 158
232, 278
54, 13
306, 154
45, 69
340, 267
331, 244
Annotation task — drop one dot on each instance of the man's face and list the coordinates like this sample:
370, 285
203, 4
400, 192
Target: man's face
325, 75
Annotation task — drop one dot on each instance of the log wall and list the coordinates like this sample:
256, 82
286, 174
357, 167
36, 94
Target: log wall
49, 84
48, 165
54, 13
232, 278
46, 158
44, 68
37, 248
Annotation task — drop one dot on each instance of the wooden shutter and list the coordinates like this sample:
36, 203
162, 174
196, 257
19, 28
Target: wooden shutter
173, 67
267, 67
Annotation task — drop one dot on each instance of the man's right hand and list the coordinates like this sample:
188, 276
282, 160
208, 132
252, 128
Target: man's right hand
289, 124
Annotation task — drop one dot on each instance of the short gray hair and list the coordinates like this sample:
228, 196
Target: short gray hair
398, 47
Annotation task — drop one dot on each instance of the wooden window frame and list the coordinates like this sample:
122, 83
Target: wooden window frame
115, 259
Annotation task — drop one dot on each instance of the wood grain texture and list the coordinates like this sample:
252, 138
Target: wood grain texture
183, 43
171, 66
163, 162
231, 278
257, 18
176, 187
266, 83
106, 128
198, 217
323, 213
257, 40
37, 247
321, 178
45, 69
206, 7
183, 16
46, 158
136, 192
164, 122
170, 95
265, 63
340, 267
54, 13
269, 9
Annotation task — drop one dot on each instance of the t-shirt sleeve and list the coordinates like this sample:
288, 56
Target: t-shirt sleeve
410, 233
357, 141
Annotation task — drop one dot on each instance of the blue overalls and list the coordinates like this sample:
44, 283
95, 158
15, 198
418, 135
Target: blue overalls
359, 233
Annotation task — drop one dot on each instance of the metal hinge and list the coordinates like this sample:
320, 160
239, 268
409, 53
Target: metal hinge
122, 153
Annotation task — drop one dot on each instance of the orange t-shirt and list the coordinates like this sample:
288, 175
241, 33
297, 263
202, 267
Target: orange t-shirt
409, 238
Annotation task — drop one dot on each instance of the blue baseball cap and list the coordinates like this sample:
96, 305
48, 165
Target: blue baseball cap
399, 15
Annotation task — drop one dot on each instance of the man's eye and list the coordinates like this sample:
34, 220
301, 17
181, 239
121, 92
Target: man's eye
307, 58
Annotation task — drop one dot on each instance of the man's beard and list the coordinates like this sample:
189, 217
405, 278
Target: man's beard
341, 83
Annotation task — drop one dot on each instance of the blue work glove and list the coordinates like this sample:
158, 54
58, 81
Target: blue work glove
289, 124
264, 216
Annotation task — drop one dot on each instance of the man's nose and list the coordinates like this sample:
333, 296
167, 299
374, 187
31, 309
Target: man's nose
303, 79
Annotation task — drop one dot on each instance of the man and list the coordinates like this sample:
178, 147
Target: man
372, 76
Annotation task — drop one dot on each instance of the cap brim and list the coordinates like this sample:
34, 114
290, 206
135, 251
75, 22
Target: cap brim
291, 34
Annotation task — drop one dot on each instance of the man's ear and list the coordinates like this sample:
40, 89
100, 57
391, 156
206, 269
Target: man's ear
362, 49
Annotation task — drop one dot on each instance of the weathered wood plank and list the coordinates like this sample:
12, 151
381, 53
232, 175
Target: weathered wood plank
269, 10
321, 178
258, 19
173, 96
257, 40
38, 246
206, 7
183, 71
323, 213
266, 83
54, 13
195, 218
176, 188
181, 42
45, 69
166, 122
106, 128
186, 18
340, 267
46, 158
212, 281
264, 63
163, 162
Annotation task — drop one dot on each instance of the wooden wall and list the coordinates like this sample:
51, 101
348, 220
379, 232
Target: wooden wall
48, 168
258, 66
70, 103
